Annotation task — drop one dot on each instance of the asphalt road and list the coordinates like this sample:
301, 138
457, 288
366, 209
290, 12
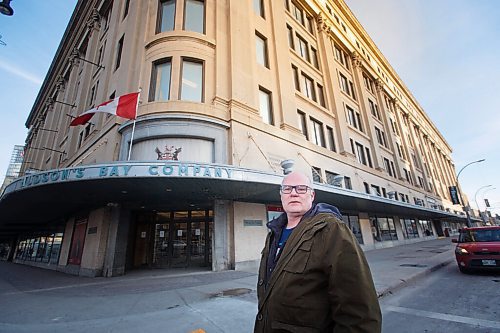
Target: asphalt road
445, 301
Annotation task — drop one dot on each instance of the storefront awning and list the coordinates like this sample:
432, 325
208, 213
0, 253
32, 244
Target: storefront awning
49, 197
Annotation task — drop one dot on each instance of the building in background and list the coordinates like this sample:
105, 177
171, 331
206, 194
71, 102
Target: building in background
16, 160
231, 91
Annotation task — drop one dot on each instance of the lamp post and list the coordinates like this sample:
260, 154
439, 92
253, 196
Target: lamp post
475, 195
485, 216
5, 8
466, 208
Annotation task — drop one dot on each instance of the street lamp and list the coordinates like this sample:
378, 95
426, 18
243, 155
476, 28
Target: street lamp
475, 196
5, 8
485, 216
469, 223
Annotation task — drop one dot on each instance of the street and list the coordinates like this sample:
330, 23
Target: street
445, 301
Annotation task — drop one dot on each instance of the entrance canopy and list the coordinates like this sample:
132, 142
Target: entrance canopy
51, 196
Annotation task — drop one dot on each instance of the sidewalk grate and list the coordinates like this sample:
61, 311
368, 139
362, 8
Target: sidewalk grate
412, 265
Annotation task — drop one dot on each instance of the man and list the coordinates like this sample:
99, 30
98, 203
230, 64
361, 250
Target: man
313, 275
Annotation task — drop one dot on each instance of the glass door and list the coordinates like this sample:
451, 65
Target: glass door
179, 245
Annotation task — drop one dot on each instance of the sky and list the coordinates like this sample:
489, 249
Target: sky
445, 51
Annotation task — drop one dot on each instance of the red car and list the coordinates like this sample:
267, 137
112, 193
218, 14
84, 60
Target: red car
478, 248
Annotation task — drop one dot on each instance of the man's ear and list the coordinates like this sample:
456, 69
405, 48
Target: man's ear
313, 194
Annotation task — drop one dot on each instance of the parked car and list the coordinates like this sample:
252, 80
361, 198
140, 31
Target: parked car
478, 248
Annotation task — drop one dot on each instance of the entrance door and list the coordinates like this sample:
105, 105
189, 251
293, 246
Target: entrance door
76, 250
181, 239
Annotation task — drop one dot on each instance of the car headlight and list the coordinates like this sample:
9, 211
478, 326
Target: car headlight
461, 251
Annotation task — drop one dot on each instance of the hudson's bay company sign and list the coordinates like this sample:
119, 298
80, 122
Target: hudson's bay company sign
123, 170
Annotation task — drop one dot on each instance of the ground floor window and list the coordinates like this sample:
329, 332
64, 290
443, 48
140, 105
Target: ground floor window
426, 227
409, 227
43, 248
353, 222
383, 228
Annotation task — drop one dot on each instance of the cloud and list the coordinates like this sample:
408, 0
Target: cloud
10, 68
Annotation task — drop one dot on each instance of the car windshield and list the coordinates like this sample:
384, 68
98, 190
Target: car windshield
487, 235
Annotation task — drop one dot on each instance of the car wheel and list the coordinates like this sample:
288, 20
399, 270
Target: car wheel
463, 270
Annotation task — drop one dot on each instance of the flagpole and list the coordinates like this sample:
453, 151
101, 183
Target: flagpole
133, 126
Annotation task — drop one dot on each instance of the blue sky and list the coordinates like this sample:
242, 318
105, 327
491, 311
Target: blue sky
445, 51
32, 36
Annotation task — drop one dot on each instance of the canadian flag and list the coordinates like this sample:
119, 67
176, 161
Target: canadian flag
124, 106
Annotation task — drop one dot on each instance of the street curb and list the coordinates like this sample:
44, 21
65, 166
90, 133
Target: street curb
391, 289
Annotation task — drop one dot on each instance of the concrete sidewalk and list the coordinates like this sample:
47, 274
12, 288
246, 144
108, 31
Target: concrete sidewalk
39, 300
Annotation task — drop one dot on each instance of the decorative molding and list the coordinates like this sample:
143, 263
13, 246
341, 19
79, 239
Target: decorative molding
94, 21
60, 83
356, 59
379, 85
172, 38
321, 24
74, 58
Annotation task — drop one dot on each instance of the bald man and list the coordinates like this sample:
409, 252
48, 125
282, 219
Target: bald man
313, 275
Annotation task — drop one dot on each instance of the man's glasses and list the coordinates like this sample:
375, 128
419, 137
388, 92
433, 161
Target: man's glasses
299, 189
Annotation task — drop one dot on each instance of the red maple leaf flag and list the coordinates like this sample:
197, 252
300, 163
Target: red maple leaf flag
124, 106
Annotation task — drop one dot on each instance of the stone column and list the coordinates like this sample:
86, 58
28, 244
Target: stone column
116, 249
223, 238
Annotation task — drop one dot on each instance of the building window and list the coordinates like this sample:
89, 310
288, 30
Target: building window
303, 123
296, 82
318, 135
347, 183
119, 49
352, 221
426, 227
258, 7
368, 83
321, 95
166, 16
160, 81
330, 178
409, 227
125, 8
261, 50
394, 127
297, 13
194, 16
374, 109
308, 87
314, 58
290, 37
360, 153
265, 106
331, 139
341, 56
93, 93
354, 118
192, 81
383, 229
375, 190
381, 139
408, 176
316, 174
346, 86
303, 48
388, 167
368, 157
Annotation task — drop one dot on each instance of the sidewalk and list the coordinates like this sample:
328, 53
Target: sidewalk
172, 301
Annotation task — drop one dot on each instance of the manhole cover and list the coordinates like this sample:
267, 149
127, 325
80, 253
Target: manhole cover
233, 292
413, 265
